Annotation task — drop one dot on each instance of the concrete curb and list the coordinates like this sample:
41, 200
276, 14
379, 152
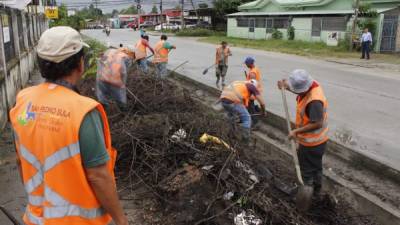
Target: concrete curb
363, 202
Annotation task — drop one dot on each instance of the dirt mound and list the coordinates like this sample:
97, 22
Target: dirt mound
158, 140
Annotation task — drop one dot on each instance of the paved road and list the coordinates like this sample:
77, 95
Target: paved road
364, 102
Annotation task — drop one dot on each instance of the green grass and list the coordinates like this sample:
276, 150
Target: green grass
198, 33
96, 48
303, 48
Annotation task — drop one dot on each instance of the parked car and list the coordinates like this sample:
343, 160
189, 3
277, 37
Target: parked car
132, 25
168, 26
147, 24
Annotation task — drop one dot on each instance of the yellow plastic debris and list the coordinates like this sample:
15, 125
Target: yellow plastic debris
205, 138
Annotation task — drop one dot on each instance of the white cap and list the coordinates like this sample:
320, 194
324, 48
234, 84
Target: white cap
254, 82
59, 43
300, 81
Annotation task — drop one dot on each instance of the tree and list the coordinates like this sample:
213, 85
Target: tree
114, 13
154, 9
77, 21
130, 10
223, 7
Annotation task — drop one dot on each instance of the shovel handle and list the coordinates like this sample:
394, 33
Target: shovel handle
292, 142
9, 216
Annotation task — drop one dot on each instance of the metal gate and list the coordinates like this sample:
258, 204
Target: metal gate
252, 25
389, 32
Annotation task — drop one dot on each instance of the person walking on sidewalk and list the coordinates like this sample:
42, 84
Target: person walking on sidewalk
63, 141
253, 73
221, 62
366, 42
141, 53
112, 73
235, 99
311, 130
161, 51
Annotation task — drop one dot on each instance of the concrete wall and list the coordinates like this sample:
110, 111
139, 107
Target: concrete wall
15, 71
302, 28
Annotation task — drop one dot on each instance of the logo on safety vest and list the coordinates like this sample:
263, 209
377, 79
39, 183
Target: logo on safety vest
26, 115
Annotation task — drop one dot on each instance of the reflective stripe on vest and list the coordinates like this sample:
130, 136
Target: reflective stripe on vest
160, 53
60, 207
318, 136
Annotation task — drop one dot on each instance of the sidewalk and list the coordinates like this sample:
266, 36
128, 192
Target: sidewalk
372, 63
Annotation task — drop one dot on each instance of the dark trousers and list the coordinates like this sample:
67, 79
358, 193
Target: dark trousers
310, 159
365, 49
253, 109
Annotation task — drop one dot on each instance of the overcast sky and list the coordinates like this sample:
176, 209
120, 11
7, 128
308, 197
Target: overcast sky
108, 5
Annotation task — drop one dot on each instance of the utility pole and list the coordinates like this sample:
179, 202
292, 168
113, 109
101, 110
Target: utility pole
182, 16
353, 29
162, 15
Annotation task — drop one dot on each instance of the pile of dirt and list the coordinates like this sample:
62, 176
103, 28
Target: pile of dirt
196, 182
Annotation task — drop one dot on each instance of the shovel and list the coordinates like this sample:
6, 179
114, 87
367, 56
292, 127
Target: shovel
206, 70
304, 193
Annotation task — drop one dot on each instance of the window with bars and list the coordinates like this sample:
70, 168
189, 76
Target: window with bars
316, 27
260, 22
281, 23
28, 28
242, 22
334, 23
20, 32
8, 37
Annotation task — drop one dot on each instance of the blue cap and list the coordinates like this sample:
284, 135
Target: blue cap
249, 60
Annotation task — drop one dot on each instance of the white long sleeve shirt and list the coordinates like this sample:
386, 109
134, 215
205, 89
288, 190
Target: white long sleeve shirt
366, 37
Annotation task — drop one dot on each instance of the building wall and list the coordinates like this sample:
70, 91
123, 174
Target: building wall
302, 28
15, 71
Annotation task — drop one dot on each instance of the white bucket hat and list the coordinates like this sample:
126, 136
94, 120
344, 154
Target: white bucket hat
300, 81
59, 43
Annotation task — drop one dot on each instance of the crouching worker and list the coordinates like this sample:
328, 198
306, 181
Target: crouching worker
112, 72
311, 125
63, 141
235, 98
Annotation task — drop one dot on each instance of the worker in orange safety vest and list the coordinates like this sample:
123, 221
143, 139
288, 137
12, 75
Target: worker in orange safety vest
253, 73
222, 54
235, 99
141, 53
161, 51
112, 72
311, 130
63, 141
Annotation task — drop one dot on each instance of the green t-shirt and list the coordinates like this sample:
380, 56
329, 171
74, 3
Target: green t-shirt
91, 140
167, 45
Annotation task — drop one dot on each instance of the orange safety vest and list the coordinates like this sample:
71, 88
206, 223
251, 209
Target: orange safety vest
111, 66
140, 51
221, 51
315, 137
160, 53
256, 71
46, 121
237, 92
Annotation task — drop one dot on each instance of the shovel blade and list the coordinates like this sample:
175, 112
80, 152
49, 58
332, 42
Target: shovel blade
205, 71
304, 198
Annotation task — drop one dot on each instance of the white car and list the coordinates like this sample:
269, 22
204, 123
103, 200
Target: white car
168, 26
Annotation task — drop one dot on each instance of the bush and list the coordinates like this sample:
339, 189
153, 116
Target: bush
198, 32
96, 48
276, 34
290, 33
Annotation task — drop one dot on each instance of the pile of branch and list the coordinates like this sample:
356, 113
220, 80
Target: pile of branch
158, 140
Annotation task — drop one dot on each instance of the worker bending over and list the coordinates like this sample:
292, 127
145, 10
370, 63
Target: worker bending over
141, 53
63, 141
221, 62
253, 73
235, 98
161, 51
311, 130
112, 73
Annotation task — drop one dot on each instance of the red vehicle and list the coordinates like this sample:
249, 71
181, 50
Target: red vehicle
132, 25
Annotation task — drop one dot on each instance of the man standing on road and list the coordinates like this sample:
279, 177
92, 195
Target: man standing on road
366, 42
253, 73
141, 53
63, 141
112, 72
311, 125
235, 98
161, 51
221, 62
